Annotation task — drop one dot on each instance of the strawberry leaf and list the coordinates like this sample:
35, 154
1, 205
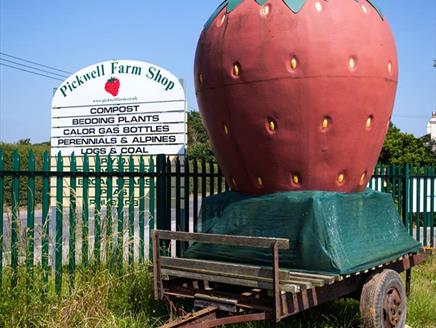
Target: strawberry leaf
295, 5
261, 2
233, 4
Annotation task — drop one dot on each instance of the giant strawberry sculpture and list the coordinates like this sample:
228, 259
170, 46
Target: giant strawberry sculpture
296, 94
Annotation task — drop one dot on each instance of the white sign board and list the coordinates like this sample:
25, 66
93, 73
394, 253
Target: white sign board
119, 107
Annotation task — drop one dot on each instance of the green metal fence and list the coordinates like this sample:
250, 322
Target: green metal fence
54, 233
81, 211
413, 188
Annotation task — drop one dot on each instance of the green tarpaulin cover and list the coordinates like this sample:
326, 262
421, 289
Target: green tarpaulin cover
329, 232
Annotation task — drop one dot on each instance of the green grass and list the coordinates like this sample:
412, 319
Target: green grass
103, 299
99, 299
422, 302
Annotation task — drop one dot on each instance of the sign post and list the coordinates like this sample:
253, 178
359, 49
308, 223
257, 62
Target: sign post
124, 110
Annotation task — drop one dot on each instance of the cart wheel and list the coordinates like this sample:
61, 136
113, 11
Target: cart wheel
383, 302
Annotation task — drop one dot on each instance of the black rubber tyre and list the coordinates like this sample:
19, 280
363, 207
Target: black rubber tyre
383, 302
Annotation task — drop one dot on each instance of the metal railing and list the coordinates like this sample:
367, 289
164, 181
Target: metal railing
78, 211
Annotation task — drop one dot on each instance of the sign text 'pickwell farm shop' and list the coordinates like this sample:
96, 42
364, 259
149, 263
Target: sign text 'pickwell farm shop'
119, 107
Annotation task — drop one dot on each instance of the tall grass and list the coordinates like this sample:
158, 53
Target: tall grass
101, 298
422, 302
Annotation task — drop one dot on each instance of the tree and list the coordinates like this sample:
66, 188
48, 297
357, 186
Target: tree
24, 142
23, 148
198, 140
404, 148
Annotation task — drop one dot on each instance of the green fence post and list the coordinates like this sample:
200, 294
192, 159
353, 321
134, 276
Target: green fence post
220, 180
179, 226
120, 215
2, 186
211, 178
45, 215
405, 195
393, 171
381, 177
425, 205
195, 195
59, 222
73, 205
85, 211
109, 193
151, 206
187, 194
168, 189
141, 208
432, 204
30, 235
15, 217
400, 170
131, 240
390, 180
162, 200
203, 179
377, 176
410, 195
418, 203
371, 182
97, 214
160, 190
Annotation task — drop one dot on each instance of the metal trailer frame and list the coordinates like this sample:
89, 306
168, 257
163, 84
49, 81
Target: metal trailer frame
228, 293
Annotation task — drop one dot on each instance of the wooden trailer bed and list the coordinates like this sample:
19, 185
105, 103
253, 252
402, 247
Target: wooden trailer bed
229, 293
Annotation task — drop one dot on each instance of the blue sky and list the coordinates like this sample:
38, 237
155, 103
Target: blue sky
71, 35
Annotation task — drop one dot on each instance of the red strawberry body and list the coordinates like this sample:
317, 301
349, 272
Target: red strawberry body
112, 86
297, 100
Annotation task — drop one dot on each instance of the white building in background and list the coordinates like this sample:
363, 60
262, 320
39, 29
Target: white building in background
431, 127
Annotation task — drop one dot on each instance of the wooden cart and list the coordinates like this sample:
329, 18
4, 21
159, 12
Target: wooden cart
227, 293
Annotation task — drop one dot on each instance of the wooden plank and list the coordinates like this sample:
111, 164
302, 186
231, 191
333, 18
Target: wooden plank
289, 288
229, 308
248, 270
218, 278
191, 318
217, 299
222, 303
229, 280
276, 283
157, 274
258, 242
305, 299
235, 319
302, 284
329, 279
